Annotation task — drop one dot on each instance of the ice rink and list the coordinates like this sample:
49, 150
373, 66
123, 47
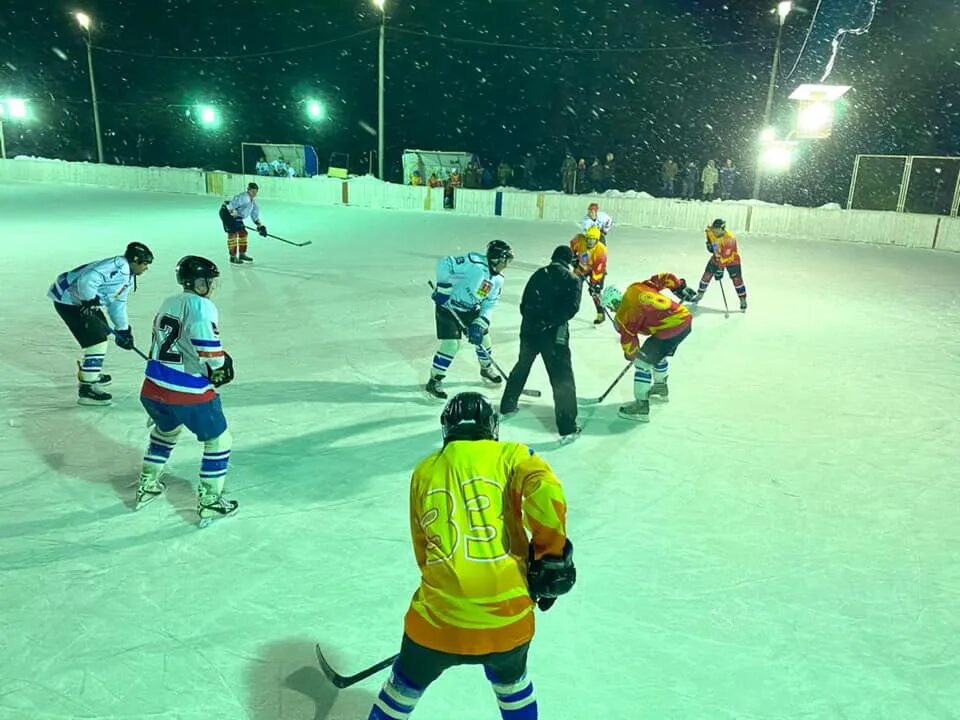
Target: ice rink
781, 541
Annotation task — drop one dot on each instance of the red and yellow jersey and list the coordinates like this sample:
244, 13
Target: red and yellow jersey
724, 247
471, 505
644, 310
591, 262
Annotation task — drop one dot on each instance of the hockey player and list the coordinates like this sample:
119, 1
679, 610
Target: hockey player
470, 505
550, 299
722, 246
598, 219
591, 265
468, 288
186, 364
233, 213
78, 296
644, 310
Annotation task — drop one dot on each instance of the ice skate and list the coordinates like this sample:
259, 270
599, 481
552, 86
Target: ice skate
660, 390
235, 260
149, 489
211, 508
571, 437
103, 381
245, 258
90, 394
743, 304
490, 375
599, 320
435, 387
638, 411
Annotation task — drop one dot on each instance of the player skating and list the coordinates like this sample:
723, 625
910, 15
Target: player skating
233, 213
643, 310
597, 218
467, 290
724, 254
187, 363
78, 296
550, 299
592, 265
470, 506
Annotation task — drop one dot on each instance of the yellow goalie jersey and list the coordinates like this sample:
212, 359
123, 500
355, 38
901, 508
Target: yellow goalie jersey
471, 507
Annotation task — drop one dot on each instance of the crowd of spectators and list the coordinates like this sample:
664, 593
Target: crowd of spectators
275, 168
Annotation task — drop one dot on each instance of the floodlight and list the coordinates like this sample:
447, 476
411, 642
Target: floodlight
777, 156
14, 108
83, 19
208, 115
783, 9
768, 134
315, 110
379, 4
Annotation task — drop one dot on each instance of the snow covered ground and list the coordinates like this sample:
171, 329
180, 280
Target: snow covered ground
781, 541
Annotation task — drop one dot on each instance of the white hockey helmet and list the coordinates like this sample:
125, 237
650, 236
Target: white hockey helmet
611, 297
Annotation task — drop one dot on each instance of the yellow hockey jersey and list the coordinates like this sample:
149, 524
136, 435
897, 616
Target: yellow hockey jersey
471, 506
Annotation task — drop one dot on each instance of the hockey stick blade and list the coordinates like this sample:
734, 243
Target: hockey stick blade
463, 328
277, 237
345, 681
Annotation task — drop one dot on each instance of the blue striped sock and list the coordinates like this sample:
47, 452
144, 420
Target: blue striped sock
516, 699
397, 699
213, 469
441, 363
158, 451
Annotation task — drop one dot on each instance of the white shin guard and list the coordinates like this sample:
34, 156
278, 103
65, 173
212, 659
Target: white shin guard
642, 379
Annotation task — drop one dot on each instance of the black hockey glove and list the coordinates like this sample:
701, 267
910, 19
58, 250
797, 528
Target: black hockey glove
718, 274
710, 248
90, 308
124, 338
262, 229
223, 374
550, 577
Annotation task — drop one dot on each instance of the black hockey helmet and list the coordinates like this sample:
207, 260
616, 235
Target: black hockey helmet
719, 224
192, 268
564, 255
499, 251
469, 416
138, 252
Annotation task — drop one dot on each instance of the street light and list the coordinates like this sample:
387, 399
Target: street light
15, 109
315, 110
383, 30
83, 20
209, 117
782, 10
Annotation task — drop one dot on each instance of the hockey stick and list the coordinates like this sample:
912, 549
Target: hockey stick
111, 331
345, 681
726, 308
613, 384
276, 237
463, 328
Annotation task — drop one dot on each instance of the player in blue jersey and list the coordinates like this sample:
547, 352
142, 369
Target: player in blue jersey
468, 288
187, 363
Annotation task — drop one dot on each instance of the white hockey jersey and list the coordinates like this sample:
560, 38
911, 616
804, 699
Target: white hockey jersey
184, 350
470, 283
244, 206
108, 279
603, 221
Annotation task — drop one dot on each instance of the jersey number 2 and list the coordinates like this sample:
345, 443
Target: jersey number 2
164, 336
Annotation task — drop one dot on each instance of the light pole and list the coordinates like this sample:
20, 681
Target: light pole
84, 21
782, 10
15, 109
383, 32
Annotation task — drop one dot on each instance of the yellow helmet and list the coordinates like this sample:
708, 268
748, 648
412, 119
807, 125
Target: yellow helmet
593, 233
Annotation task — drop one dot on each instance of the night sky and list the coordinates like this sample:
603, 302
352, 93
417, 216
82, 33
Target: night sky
537, 77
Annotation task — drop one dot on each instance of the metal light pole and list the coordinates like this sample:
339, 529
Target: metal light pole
383, 32
84, 21
3, 143
783, 9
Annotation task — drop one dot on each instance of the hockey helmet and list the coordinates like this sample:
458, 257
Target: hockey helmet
192, 268
564, 255
719, 224
593, 233
611, 298
139, 253
499, 251
469, 416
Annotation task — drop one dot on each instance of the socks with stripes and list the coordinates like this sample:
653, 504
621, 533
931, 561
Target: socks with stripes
516, 700
396, 700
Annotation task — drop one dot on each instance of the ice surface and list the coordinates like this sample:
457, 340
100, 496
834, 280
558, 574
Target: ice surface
781, 541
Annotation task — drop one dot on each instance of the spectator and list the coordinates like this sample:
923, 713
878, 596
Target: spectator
728, 180
486, 176
691, 179
504, 173
433, 181
709, 178
291, 171
668, 173
609, 172
416, 178
529, 172
471, 178
263, 167
453, 182
568, 174
582, 185
595, 176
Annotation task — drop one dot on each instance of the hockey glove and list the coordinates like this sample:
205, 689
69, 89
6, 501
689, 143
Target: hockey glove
718, 274
711, 248
223, 374
124, 338
595, 289
90, 308
262, 229
688, 294
441, 296
476, 332
550, 577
